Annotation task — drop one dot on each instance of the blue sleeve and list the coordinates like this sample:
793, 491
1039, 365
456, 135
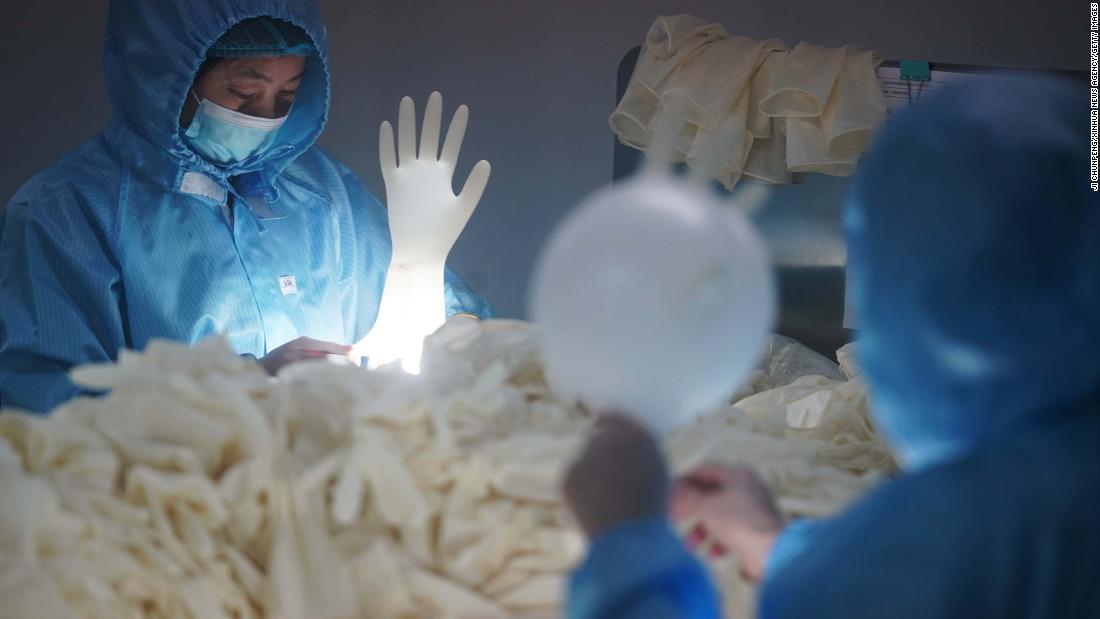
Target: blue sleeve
461, 299
61, 293
1008, 531
641, 570
793, 540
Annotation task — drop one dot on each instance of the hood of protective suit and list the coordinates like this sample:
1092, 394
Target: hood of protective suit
152, 52
974, 248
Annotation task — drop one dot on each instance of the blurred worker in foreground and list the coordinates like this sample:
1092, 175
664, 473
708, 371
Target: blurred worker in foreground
203, 207
974, 244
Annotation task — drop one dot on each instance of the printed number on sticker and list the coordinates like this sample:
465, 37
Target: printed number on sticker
288, 284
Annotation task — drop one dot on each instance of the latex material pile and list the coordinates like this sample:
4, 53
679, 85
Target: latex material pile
199, 488
806, 109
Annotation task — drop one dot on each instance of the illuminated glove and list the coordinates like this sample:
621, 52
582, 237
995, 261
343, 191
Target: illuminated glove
425, 220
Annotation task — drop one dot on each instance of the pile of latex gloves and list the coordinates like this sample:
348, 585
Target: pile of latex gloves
807, 109
200, 488
797, 393
805, 427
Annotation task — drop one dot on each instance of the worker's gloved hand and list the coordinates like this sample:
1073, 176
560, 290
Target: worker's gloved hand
425, 219
425, 215
301, 349
733, 506
620, 476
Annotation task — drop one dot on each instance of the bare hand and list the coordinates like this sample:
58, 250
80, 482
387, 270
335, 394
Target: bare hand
732, 505
301, 349
620, 476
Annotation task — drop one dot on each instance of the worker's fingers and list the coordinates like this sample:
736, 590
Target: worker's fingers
455, 133
387, 158
429, 134
708, 477
406, 132
357, 355
683, 501
302, 343
697, 535
474, 187
717, 550
321, 347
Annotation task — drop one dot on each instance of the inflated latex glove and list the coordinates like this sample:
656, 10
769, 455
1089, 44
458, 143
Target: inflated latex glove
425, 219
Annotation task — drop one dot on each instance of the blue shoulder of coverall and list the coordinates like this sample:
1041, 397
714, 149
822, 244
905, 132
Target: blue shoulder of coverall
59, 280
641, 570
1007, 531
368, 214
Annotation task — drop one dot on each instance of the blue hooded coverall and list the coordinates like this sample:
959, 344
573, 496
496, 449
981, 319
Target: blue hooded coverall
974, 244
125, 239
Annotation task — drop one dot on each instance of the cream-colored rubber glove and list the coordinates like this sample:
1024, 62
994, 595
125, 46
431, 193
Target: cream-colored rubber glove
425, 219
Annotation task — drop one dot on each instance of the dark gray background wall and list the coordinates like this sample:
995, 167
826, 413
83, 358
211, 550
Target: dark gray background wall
538, 77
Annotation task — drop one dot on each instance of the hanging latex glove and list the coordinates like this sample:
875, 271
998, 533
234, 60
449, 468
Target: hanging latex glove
425, 220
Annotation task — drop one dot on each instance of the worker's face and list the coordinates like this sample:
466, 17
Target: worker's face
263, 86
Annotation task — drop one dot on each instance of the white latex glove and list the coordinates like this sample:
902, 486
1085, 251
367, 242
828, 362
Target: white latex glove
425, 220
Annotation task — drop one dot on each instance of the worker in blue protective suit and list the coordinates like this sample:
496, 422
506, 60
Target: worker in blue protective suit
203, 208
974, 244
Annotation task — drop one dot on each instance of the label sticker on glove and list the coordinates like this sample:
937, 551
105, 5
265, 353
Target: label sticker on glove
288, 284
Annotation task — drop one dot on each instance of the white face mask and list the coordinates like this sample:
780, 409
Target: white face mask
225, 137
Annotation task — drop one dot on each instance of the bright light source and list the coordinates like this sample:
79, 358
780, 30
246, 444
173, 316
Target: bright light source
412, 308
